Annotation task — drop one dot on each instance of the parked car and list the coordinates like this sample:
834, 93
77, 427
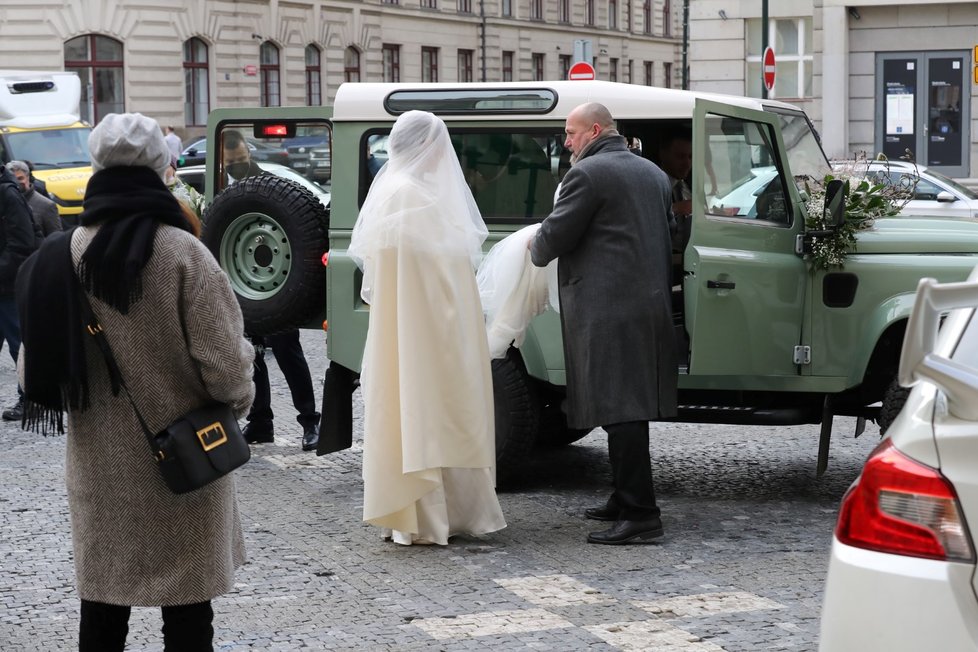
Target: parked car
935, 195
902, 568
194, 176
196, 152
309, 152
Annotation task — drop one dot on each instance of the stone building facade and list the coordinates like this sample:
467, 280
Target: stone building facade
177, 60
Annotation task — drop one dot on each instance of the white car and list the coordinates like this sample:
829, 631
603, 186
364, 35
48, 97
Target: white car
935, 194
902, 568
193, 176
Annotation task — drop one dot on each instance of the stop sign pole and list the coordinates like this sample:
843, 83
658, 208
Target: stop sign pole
768, 68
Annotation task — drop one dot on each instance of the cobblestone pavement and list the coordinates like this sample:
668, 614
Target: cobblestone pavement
741, 567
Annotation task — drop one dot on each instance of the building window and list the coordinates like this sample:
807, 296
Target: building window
564, 61
429, 4
465, 65
429, 64
631, 71
612, 14
392, 62
314, 91
649, 73
507, 8
647, 17
388, 2
536, 9
537, 66
613, 69
563, 11
589, 12
196, 90
98, 62
791, 39
666, 18
351, 64
628, 15
465, 6
507, 66
270, 75
667, 74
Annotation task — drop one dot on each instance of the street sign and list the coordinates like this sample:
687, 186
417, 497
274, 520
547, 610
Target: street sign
581, 70
768, 67
251, 70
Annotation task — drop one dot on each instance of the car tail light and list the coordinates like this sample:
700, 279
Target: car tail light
903, 507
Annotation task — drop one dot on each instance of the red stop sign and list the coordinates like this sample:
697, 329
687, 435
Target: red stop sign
767, 65
581, 70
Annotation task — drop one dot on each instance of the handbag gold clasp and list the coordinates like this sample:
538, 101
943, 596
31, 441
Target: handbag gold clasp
212, 436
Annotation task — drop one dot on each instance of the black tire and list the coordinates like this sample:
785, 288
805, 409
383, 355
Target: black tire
553, 429
894, 399
517, 413
269, 234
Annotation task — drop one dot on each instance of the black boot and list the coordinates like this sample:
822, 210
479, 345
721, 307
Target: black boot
15, 413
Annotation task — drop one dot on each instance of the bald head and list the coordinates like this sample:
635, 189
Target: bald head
594, 113
585, 123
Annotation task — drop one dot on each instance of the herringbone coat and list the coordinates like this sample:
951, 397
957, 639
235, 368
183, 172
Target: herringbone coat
180, 346
610, 231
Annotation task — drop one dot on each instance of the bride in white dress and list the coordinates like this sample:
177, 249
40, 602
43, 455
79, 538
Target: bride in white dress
429, 441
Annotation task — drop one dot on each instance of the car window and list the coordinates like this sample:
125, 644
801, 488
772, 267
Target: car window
741, 167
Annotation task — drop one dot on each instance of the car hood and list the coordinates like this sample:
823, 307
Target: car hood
918, 236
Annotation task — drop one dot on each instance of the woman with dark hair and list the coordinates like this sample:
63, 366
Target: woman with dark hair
176, 332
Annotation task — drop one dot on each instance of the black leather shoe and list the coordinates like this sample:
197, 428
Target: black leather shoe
310, 438
623, 532
15, 413
603, 513
256, 432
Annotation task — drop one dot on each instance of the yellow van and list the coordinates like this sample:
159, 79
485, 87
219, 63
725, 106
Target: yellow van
40, 123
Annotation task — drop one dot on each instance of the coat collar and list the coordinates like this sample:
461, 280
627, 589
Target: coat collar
610, 141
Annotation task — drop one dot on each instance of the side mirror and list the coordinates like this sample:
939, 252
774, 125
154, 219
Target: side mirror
192, 151
835, 202
945, 197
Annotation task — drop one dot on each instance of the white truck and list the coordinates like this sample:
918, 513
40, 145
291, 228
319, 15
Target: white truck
40, 123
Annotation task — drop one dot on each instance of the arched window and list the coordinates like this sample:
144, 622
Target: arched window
351, 64
196, 103
98, 62
314, 93
270, 74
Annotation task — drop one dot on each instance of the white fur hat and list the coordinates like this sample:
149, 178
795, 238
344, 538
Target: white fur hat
128, 139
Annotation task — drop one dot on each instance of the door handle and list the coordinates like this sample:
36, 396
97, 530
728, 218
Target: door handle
720, 285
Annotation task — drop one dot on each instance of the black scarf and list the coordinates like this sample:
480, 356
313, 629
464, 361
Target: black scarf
131, 202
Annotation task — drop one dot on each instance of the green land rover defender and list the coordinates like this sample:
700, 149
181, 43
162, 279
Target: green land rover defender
764, 337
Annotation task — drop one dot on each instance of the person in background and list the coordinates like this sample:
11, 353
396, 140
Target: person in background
610, 233
176, 332
18, 240
286, 346
44, 210
191, 201
428, 435
173, 142
39, 185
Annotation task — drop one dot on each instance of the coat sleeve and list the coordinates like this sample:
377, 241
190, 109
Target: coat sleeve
18, 231
215, 333
561, 231
50, 220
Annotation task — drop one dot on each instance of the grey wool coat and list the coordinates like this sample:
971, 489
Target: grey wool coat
181, 346
610, 230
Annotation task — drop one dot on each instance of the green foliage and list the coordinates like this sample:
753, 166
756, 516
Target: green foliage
867, 200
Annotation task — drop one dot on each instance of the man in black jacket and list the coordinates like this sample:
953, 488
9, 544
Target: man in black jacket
238, 165
17, 242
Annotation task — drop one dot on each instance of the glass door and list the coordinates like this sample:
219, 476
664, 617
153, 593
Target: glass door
921, 107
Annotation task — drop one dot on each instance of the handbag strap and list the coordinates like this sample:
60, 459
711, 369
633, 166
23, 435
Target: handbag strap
94, 328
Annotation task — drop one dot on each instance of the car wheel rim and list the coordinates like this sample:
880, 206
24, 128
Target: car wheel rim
256, 255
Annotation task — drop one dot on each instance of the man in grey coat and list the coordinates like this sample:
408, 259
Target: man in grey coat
45, 211
610, 230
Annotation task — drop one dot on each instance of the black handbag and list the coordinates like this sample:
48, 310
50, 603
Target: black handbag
196, 449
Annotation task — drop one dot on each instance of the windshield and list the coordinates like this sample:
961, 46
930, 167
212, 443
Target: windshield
49, 149
805, 155
964, 190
